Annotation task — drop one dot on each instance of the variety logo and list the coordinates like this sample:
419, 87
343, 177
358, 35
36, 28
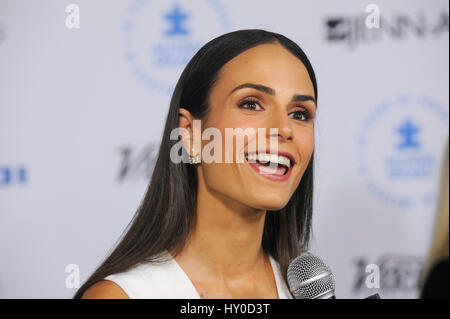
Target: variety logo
352, 30
13, 175
137, 165
399, 274
159, 38
399, 148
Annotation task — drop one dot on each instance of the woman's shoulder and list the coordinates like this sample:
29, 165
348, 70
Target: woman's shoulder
132, 283
105, 289
160, 278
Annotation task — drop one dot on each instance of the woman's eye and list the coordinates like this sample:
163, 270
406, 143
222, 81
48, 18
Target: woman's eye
250, 104
301, 115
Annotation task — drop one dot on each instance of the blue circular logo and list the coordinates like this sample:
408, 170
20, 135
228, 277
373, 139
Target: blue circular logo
160, 37
399, 150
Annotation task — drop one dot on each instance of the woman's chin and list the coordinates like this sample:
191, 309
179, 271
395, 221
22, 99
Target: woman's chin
270, 202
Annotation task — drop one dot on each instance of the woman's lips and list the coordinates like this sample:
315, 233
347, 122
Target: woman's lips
273, 173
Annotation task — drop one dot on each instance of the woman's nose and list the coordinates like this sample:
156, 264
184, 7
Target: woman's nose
280, 121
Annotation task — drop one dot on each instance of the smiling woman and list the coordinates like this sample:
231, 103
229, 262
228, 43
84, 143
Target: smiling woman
225, 229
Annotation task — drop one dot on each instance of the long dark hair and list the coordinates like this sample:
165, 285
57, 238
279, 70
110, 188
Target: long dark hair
167, 213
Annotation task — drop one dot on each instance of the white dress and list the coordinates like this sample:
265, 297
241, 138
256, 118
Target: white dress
169, 281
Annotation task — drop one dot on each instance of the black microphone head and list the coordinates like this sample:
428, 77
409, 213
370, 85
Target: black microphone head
310, 278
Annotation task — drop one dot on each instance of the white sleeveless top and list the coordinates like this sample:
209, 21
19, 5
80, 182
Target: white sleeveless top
169, 281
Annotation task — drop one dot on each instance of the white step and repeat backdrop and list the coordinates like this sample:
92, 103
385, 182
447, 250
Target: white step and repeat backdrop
82, 111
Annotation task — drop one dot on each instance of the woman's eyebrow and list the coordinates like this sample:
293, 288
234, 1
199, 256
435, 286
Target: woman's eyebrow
271, 91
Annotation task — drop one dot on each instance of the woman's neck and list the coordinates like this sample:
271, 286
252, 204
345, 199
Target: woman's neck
226, 242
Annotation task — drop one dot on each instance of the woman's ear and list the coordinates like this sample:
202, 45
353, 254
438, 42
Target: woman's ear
186, 124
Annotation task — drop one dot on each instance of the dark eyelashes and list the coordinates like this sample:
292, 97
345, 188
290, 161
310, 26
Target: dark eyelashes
305, 113
253, 101
250, 101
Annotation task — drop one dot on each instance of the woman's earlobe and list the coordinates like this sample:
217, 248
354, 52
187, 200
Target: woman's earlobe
194, 158
191, 128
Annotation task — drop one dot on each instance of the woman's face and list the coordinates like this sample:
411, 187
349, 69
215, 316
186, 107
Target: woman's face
274, 67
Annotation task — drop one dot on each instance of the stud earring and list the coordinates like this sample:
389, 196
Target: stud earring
194, 159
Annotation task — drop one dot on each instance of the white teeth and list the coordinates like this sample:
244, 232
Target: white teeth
264, 158
252, 157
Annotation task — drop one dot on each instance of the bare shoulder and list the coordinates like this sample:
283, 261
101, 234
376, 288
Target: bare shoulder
105, 289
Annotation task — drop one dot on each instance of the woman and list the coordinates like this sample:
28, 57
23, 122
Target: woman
224, 230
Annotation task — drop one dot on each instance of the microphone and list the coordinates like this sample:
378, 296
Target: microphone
310, 278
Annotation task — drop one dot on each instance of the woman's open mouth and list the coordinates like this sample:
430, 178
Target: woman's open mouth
272, 166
